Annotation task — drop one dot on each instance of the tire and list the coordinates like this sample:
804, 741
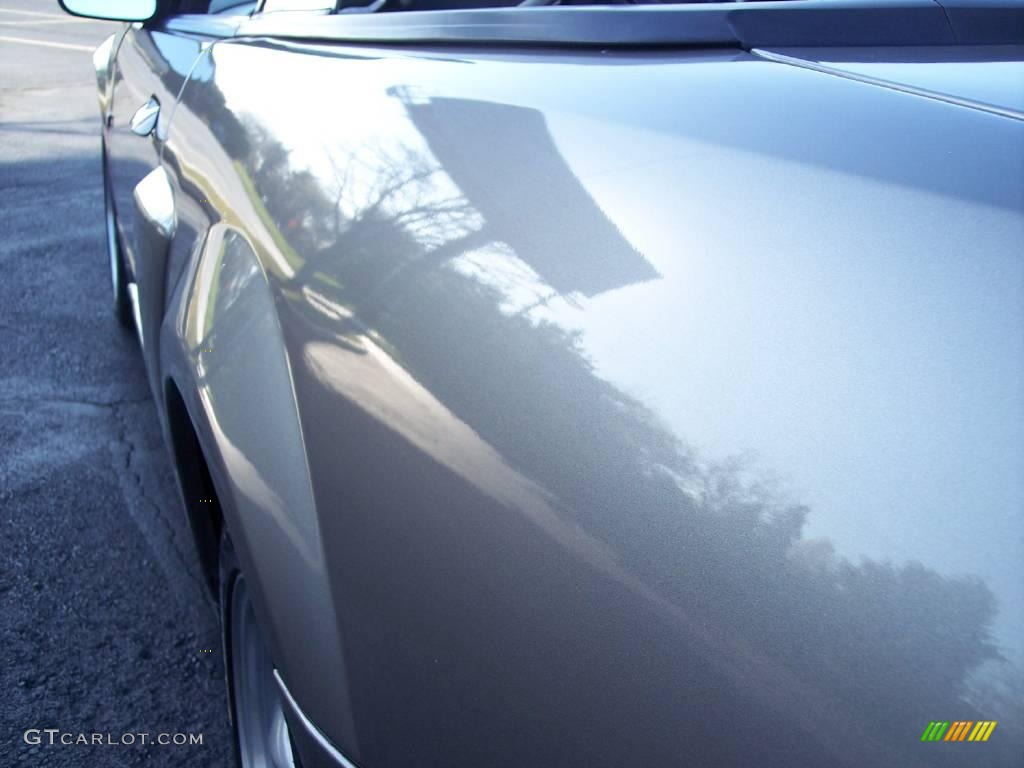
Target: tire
261, 737
118, 275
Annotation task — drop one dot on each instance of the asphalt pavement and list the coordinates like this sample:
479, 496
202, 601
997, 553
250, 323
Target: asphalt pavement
104, 628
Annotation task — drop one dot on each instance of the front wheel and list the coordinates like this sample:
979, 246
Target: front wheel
261, 733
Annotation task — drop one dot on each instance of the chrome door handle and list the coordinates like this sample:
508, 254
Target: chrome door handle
144, 119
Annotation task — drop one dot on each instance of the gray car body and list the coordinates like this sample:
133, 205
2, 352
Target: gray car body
603, 406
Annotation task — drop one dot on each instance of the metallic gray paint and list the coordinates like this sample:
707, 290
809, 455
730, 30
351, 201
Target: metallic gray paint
995, 85
470, 338
308, 730
102, 58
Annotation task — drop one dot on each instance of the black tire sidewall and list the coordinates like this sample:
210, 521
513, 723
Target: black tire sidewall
229, 573
121, 303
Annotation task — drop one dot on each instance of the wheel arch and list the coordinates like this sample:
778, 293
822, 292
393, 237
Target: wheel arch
199, 495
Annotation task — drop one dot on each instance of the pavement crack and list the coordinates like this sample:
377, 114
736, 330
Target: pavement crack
186, 562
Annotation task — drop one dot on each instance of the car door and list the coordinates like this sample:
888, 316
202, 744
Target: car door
151, 65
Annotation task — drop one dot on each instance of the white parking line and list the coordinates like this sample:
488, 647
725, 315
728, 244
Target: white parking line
35, 22
46, 43
34, 13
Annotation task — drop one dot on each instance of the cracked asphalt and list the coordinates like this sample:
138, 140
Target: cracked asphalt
104, 627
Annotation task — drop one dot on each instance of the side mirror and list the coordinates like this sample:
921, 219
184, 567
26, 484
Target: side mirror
114, 10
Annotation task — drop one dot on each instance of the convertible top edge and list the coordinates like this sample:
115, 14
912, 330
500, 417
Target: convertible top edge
745, 25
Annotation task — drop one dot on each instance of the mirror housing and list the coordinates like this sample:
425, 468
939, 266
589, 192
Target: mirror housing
112, 10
